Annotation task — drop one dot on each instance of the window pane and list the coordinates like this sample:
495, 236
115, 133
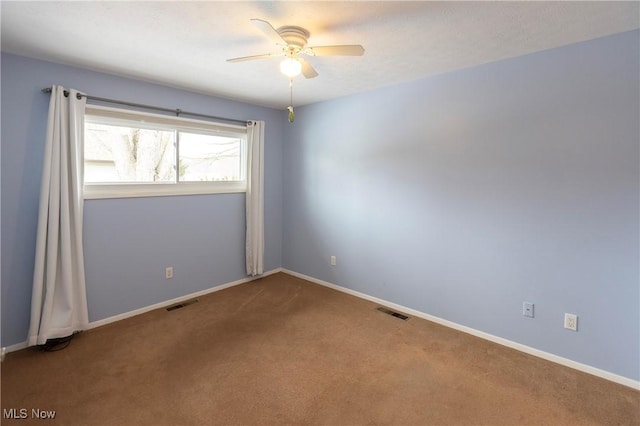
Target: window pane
128, 154
209, 158
135, 154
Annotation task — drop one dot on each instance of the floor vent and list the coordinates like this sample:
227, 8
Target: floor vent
393, 313
182, 305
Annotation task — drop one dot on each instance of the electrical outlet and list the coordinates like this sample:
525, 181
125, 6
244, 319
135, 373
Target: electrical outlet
333, 261
168, 272
571, 322
527, 309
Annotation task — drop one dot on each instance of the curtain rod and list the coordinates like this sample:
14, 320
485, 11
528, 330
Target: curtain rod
176, 111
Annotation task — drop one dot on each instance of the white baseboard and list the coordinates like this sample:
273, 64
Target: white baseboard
16, 347
119, 317
505, 342
178, 300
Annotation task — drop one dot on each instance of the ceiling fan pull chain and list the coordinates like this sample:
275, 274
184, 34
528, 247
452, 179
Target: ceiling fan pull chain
292, 116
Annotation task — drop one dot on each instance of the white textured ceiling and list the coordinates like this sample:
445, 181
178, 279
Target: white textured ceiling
185, 44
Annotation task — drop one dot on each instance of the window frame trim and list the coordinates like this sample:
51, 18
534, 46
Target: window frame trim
116, 116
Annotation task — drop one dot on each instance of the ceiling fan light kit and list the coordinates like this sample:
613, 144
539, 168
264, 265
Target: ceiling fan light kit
290, 67
292, 42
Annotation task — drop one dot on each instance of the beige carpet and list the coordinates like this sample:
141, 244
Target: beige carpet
281, 350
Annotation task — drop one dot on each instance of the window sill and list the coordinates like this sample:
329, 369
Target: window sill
100, 191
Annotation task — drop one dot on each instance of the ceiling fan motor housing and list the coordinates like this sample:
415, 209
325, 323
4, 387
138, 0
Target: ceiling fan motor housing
294, 36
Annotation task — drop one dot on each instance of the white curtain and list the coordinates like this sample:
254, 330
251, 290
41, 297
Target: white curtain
59, 301
255, 198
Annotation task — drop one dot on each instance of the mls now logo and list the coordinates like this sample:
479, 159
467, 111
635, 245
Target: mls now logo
23, 413
14, 413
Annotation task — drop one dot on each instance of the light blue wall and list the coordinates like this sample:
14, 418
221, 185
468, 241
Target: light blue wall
128, 242
465, 194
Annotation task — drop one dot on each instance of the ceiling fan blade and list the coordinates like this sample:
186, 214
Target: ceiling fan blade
343, 50
268, 30
249, 58
307, 70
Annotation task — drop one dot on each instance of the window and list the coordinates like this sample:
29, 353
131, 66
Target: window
135, 154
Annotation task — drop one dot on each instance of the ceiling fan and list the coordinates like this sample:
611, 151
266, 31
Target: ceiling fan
292, 42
